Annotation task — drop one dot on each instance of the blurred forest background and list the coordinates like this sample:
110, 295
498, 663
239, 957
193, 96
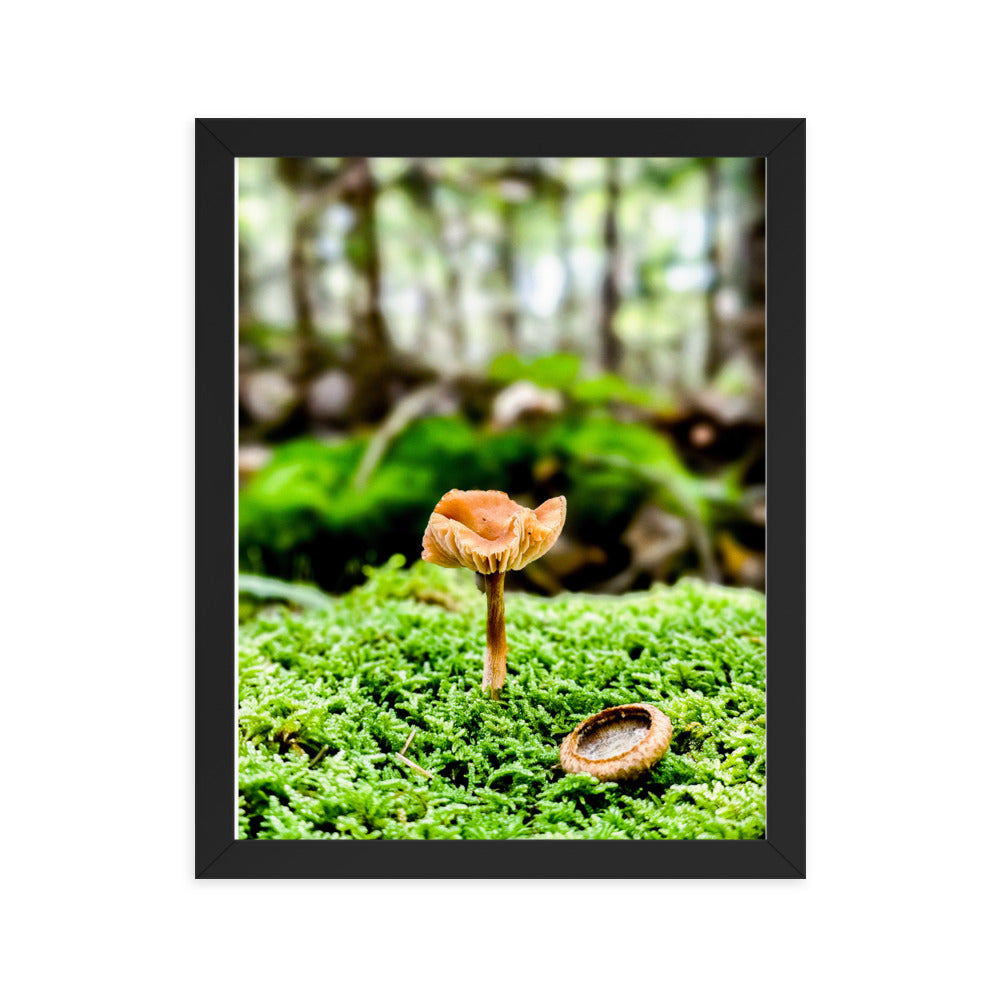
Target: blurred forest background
587, 327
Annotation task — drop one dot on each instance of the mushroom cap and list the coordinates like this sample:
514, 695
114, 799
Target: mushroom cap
486, 531
619, 743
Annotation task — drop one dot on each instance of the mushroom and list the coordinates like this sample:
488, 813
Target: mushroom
487, 532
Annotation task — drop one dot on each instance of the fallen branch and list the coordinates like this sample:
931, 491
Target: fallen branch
403, 414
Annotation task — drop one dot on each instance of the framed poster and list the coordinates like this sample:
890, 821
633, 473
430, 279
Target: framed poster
493, 419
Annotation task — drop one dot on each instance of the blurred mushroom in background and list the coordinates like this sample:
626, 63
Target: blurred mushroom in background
523, 399
330, 395
654, 538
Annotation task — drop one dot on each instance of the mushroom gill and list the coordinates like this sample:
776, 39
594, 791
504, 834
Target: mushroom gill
486, 531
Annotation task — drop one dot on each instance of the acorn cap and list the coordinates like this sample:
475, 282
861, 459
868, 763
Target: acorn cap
486, 531
617, 744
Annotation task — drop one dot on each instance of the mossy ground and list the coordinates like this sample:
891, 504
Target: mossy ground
329, 694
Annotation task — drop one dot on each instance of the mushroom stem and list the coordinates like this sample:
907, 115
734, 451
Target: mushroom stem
495, 661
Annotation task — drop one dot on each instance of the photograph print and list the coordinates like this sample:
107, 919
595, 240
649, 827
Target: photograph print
501, 498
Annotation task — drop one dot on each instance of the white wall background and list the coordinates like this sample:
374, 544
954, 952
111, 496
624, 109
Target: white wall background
97, 412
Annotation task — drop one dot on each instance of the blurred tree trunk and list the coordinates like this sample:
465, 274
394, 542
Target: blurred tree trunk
744, 332
422, 182
300, 176
610, 344
449, 248
315, 187
245, 284
370, 333
567, 305
426, 319
453, 299
300, 272
755, 250
508, 310
371, 348
715, 349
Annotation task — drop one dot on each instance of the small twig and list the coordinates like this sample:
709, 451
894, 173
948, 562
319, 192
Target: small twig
401, 416
413, 732
416, 767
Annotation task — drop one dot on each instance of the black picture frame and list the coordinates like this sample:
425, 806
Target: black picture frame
218, 854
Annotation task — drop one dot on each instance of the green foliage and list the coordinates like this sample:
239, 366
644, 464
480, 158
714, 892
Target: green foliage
329, 696
553, 371
300, 517
562, 372
613, 467
256, 590
610, 388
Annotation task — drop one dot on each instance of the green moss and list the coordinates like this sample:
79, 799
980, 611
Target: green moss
328, 695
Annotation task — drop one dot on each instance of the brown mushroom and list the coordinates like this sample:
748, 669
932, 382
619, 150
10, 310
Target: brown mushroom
487, 532
619, 743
